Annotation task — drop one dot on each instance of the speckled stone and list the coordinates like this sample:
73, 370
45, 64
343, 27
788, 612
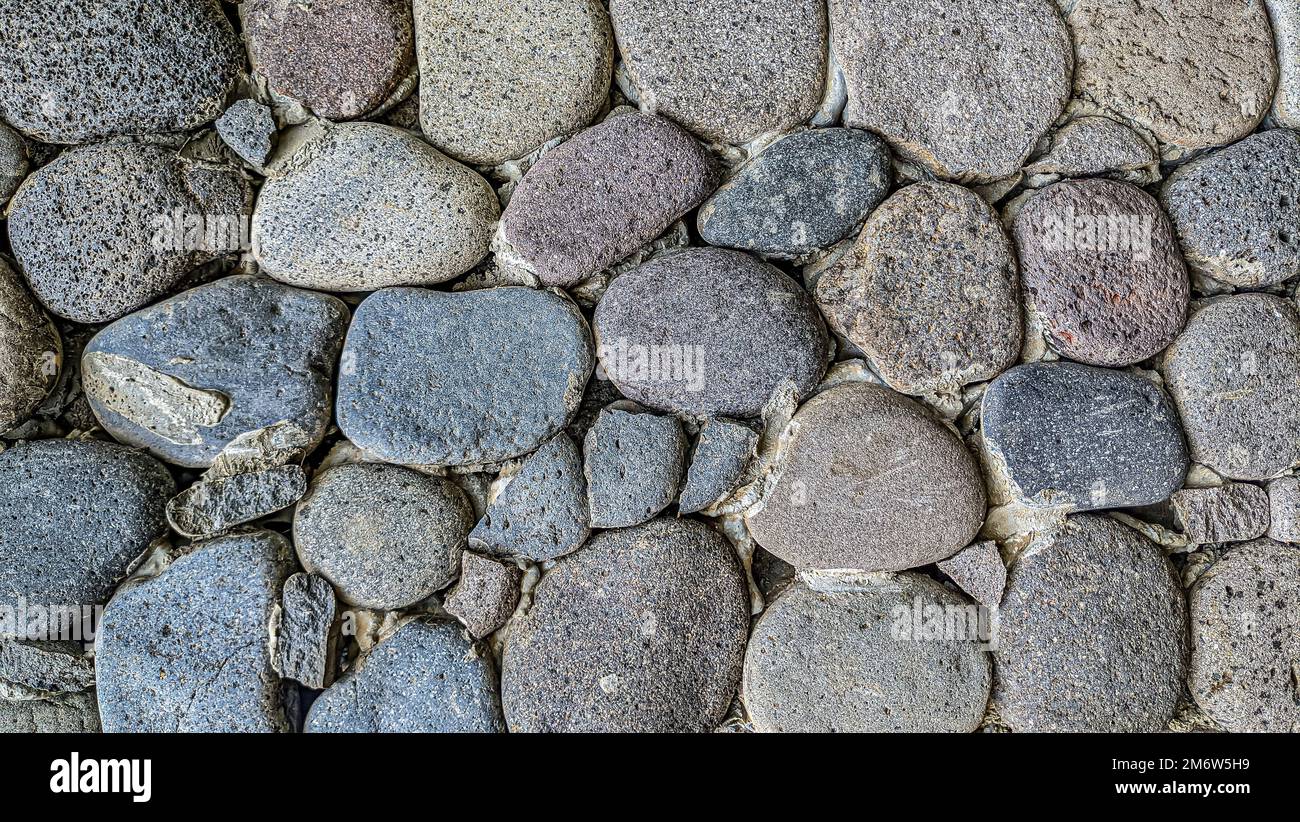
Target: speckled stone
1084, 438
13, 162
412, 216
1245, 614
465, 378
728, 70
604, 193
248, 128
965, 92
1091, 145
1237, 210
75, 71
40, 670
500, 78
425, 678
302, 634
31, 351
105, 229
67, 714
722, 452
185, 377
340, 59
1231, 374
1284, 16
542, 513
857, 660
1234, 512
978, 570
869, 479
485, 596
75, 516
214, 506
1091, 633
643, 630
1102, 270
190, 649
929, 292
634, 463
384, 536
1194, 73
708, 331
1284, 509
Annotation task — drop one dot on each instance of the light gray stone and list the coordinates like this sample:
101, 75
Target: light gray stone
1094, 145
213, 506
1284, 15
40, 670
67, 714
633, 462
13, 163
248, 127
485, 596
1284, 509
1235, 512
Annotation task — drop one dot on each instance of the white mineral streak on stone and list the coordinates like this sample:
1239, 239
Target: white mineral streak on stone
835, 580
151, 399
260, 449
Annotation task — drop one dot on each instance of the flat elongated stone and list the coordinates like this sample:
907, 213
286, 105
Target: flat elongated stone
979, 571
869, 479
39, 670
75, 71
247, 127
708, 331
1235, 512
187, 376
844, 661
67, 714
604, 193
189, 650
1091, 145
1284, 16
1284, 509
485, 596
722, 452
425, 678
643, 630
1083, 438
31, 351
500, 78
1091, 633
633, 462
302, 642
212, 506
1230, 372
929, 291
13, 163
453, 379
412, 216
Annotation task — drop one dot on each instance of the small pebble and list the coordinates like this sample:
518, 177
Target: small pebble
722, 452
248, 127
211, 507
485, 596
634, 462
978, 570
1235, 512
302, 635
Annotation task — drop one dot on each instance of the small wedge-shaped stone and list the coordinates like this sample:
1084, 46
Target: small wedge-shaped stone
302, 635
979, 571
247, 127
722, 452
1285, 18
31, 351
13, 163
1284, 509
210, 507
1235, 512
1086, 146
485, 596
634, 463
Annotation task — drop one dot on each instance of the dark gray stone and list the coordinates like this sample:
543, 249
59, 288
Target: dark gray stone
869, 479
31, 351
248, 127
440, 378
186, 377
1284, 509
1092, 633
189, 650
302, 636
978, 570
722, 452
385, 536
75, 515
485, 596
708, 331
213, 506
67, 714
643, 630
105, 229
1083, 438
604, 193
1235, 512
39, 670
75, 71
854, 661
13, 163
633, 462
541, 514
425, 678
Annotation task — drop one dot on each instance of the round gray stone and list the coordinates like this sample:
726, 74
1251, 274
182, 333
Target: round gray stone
1232, 374
412, 216
929, 292
642, 631
869, 479
465, 378
31, 351
1092, 633
802, 193
384, 536
13, 163
852, 661
709, 331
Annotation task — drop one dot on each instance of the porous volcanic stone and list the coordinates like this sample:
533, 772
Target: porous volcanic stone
341, 60
75, 515
1237, 210
633, 462
1091, 633
604, 193
1094, 145
212, 506
802, 193
869, 479
979, 571
105, 229
728, 70
31, 351
1084, 438
452, 379
385, 536
929, 292
499, 78
1284, 15
1284, 509
1194, 73
425, 678
708, 331
66, 714
38, 670
13, 162
485, 596
542, 513
302, 644
965, 92
247, 127
1102, 271
189, 650
722, 452
1231, 373
854, 661
1245, 614
412, 216
75, 71
1234, 512
185, 377
643, 630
